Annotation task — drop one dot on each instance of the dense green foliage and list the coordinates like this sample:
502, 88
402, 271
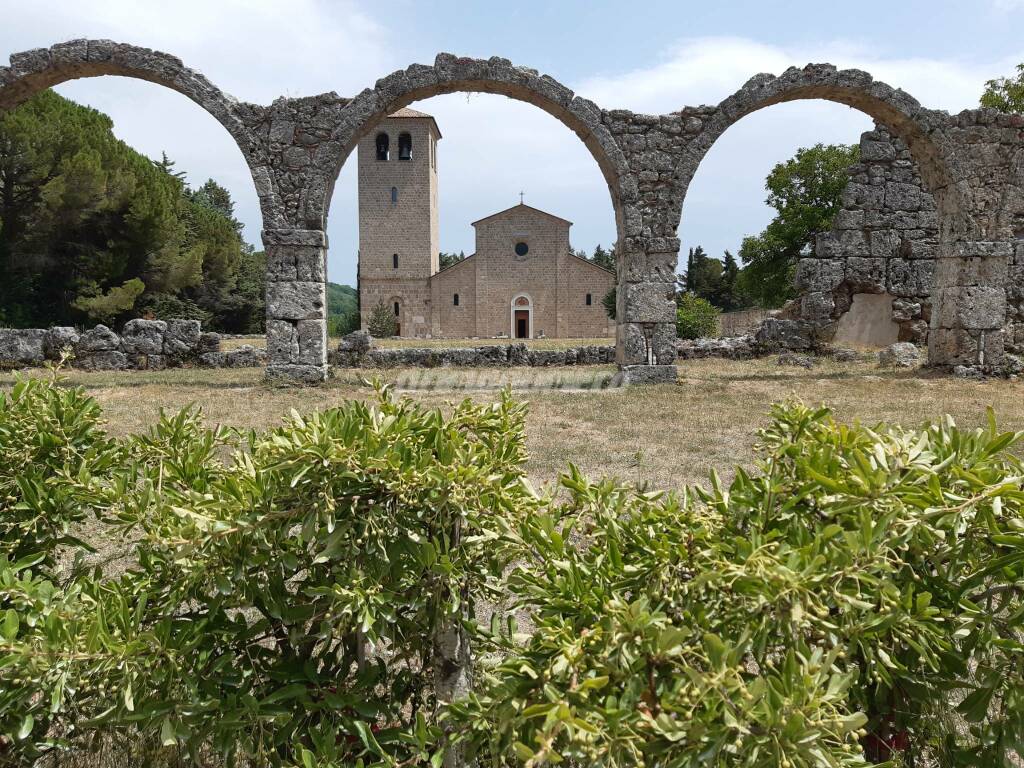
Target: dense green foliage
446, 260
714, 280
806, 192
855, 599
1005, 93
285, 589
382, 323
695, 317
288, 597
342, 309
92, 230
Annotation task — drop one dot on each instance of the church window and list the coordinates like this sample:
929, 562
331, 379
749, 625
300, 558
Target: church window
404, 146
590, 299
396, 309
455, 300
394, 261
383, 146
394, 195
522, 249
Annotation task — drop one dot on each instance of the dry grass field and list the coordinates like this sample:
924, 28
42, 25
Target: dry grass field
666, 436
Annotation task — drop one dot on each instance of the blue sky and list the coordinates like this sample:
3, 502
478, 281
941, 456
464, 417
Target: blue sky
653, 57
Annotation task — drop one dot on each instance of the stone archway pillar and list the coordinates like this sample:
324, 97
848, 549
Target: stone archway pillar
296, 304
645, 330
970, 305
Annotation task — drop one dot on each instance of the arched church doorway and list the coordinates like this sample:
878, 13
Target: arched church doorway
522, 317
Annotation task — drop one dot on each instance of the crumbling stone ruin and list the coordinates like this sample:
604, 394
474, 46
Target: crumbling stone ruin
882, 251
971, 163
142, 345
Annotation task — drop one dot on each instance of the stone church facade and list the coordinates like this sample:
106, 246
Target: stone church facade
523, 281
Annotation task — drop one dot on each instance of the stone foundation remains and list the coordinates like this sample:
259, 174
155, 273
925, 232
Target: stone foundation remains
142, 345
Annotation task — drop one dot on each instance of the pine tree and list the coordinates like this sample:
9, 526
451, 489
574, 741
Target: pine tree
382, 323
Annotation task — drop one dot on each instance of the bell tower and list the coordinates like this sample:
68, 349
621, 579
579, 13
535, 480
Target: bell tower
398, 219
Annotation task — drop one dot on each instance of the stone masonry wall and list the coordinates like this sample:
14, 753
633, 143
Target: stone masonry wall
141, 345
971, 162
885, 239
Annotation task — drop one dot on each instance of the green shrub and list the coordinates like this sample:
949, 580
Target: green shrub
53, 454
855, 599
382, 323
305, 588
695, 317
309, 595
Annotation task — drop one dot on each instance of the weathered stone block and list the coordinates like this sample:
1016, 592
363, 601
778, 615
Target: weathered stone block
775, 334
143, 337
312, 338
22, 346
820, 274
873, 151
971, 308
208, 342
902, 354
972, 271
245, 356
904, 310
103, 360
181, 338
865, 275
282, 341
58, 339
296, 300
211, 360
300, 374
647, 302
358, 342
817, 307
646, 374
98, 339
911, 278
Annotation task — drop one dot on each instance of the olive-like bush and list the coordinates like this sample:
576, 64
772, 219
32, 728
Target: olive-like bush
696, 317
343, 590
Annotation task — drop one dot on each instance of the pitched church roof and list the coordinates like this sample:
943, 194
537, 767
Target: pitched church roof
406, 112
523, 206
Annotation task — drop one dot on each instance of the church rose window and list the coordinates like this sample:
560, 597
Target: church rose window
383, 146
404, 146
522, 249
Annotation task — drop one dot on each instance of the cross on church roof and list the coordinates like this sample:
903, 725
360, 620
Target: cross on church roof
520, 198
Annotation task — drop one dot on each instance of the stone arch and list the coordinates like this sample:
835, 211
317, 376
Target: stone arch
32, 71
452, 74
938, 160
897, 110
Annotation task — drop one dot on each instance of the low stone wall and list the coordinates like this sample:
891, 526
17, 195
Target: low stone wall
487, 356
141, 345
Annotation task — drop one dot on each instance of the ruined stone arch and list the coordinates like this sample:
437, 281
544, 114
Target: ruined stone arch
897, 110
32, 71
452, 74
